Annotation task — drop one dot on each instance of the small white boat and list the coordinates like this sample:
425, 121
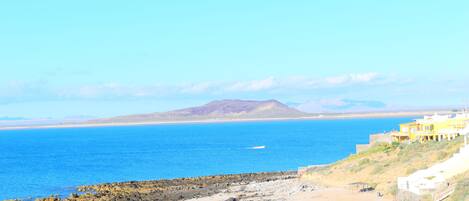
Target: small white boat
258, 147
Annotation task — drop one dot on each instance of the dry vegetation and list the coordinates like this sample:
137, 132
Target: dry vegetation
382, 164
462, 190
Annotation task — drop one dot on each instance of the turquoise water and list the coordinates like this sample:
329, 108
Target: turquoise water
40, 162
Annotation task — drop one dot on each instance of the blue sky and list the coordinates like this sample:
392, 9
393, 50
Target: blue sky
106, 58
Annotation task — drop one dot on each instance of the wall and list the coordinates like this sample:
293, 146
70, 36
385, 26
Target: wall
362, 147
380, 138
374, 139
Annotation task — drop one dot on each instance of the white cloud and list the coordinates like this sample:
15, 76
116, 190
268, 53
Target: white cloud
352, 78
341, 105
197, 88
302, 82
113, 90
254, 85
109, 91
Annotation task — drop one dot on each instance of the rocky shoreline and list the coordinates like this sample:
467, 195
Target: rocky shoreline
171, 190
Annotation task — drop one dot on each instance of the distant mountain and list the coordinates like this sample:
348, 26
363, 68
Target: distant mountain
222, 109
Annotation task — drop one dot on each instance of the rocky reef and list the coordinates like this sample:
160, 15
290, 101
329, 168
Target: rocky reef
168, 190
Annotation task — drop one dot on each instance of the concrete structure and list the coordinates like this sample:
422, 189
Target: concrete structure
434, 127
434, 180
359, 148
374, 139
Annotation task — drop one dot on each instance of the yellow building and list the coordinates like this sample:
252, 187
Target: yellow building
434, 127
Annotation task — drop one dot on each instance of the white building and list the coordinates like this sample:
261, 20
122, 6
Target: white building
435, 178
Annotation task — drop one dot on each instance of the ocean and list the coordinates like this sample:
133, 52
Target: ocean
42, 162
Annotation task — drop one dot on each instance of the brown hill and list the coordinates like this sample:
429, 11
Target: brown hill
222, 109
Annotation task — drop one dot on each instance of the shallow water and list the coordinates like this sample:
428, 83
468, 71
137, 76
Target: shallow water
41, 162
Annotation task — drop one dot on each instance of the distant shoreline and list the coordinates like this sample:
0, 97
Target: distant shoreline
227, 120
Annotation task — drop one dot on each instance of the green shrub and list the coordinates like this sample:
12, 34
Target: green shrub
377, 169
393, 189
442, 155
360, 165
462, 191
364, 161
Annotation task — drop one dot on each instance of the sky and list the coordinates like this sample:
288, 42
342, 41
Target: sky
105, 58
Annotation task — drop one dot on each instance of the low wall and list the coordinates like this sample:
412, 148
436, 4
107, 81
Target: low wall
362, 147
380, 138
374, 139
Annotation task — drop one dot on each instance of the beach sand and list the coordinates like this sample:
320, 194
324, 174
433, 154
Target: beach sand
290, 190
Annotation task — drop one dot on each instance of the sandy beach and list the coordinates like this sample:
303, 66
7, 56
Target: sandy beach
290, 190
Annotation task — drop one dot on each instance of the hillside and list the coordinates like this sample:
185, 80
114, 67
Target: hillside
462, 190
222, 109
382, 164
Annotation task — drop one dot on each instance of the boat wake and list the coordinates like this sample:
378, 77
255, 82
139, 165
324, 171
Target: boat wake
258, 147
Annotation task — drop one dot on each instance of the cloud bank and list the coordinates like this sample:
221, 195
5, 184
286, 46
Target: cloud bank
44, 91
341, 105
